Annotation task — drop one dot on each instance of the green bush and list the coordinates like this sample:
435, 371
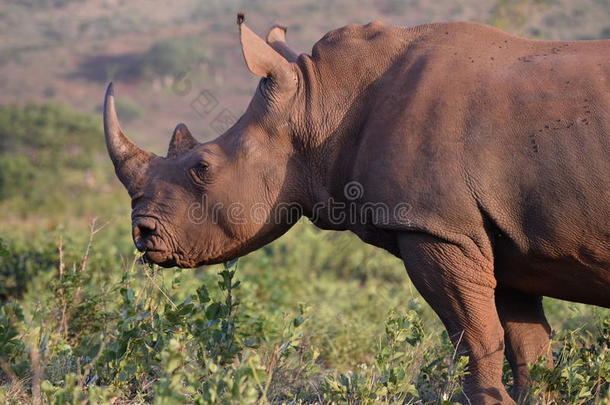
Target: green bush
128, 110
171, 57
92, 330
21, 262
45, 4
49, 152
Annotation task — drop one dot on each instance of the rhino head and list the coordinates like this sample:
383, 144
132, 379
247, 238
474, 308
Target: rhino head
207, 203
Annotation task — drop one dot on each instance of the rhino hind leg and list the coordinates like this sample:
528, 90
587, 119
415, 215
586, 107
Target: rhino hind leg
526, 333
458, 283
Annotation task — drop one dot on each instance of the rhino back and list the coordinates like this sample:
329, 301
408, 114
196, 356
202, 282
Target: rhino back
539, 164
501, 140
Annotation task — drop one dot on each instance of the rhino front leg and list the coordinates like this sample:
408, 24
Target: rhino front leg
526, 332
458, 283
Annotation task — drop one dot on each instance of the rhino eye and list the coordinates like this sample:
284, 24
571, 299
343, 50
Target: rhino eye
201, 171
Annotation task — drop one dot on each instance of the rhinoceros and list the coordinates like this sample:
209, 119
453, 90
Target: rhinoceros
479, 158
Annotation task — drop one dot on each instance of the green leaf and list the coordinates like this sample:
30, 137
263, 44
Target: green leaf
212, 311
231, 264
4, 252
298, 321
203, 295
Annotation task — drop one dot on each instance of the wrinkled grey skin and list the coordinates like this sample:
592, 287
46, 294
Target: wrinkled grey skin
498, 145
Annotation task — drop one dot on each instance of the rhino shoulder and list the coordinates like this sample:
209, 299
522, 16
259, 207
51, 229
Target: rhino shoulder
356, 37
376, 36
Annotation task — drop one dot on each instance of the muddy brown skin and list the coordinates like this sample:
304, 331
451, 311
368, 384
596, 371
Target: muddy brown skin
499, 147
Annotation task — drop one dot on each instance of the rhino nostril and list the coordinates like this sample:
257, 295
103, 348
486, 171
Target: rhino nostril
142, 231
145, 231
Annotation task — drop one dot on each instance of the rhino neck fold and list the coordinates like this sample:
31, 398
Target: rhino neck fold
341, 80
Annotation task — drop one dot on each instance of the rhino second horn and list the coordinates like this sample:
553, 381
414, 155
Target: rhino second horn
182, 141
130, 162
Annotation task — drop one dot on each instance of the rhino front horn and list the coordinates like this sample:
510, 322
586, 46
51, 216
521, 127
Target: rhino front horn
130, 162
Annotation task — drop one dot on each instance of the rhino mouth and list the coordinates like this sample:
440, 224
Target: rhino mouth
159, 257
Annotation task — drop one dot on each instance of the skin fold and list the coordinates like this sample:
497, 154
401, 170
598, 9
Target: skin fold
479, 158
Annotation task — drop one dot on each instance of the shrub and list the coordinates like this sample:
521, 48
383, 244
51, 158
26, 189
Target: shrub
171, 57
92, 330
47, 152
20, 263
128, 110
44, 4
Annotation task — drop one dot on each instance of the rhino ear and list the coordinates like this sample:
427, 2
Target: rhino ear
182, 141
262, 59
276, 38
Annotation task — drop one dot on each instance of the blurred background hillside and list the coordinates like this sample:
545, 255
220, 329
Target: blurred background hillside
67, 50
180, 61
174, 60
